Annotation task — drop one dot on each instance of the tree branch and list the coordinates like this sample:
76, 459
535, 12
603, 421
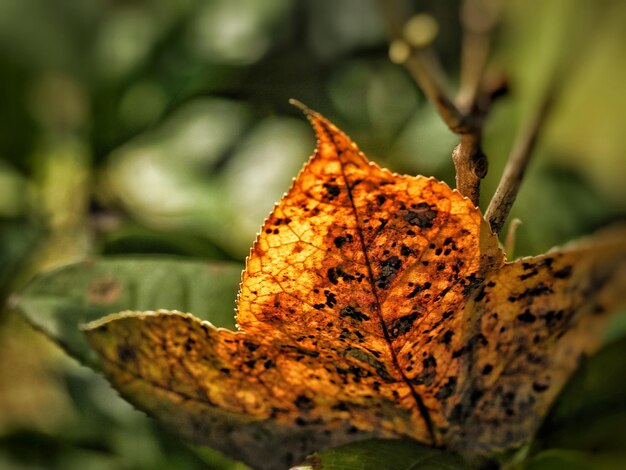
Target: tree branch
465, 115
513, 174
424, 68
479, 18
470, 164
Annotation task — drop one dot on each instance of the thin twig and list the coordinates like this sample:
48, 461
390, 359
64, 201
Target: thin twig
422, 63
508, 187
423, 67
473, 60
479, 18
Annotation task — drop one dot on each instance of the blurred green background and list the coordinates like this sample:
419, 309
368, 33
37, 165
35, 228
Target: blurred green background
163, 127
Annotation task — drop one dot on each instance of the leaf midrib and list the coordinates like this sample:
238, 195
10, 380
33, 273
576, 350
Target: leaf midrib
416, 396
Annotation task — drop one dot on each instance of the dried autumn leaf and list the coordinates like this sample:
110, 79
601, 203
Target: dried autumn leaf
372, 304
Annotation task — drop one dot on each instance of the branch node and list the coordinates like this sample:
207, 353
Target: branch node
464, 115
471, 164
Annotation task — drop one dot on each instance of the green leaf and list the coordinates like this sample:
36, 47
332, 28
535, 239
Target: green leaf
18, 240
130, 238
58, 302
590, 412
575, 460
383, 454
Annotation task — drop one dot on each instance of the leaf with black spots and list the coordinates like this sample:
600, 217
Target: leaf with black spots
372, 305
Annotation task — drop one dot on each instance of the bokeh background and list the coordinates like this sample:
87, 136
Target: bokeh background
163, 127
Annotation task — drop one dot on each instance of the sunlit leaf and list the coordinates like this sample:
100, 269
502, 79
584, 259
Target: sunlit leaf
372, 304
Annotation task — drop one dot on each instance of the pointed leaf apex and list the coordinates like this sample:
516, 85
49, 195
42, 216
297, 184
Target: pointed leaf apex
301, 106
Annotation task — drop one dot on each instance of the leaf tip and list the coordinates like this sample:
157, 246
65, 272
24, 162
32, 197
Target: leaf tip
301, 106
321, 125
313, 115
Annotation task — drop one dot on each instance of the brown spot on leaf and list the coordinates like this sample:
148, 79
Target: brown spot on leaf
126, 353
104, 291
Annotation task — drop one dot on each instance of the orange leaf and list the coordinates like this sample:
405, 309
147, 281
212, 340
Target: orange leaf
372, 304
